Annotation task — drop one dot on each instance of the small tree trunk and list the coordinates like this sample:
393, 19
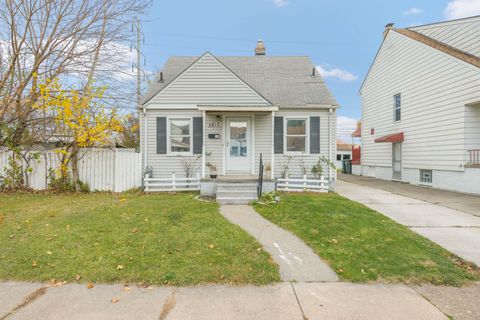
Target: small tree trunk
75, 175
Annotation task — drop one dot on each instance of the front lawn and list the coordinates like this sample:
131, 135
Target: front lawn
363, 245
152, 239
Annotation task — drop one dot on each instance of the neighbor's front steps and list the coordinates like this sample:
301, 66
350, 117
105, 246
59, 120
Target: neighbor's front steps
315, 300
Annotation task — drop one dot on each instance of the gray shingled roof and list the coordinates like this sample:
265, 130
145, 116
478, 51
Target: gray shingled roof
284, 81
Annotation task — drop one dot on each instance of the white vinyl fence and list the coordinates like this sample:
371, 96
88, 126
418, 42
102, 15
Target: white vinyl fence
114, 170
304, 184
172, 184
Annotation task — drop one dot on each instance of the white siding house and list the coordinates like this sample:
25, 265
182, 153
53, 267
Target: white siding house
229, 111
421, 107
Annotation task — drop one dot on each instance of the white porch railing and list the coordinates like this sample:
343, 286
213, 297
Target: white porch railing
304, 184
172, 184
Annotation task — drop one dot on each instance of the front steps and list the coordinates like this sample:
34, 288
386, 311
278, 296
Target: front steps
236, 192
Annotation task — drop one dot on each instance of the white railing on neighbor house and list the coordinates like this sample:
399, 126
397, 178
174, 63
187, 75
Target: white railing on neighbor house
172, 184
474, 156
303, 184
113, 170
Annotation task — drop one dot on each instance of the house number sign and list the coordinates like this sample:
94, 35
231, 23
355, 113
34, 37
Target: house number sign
215, 124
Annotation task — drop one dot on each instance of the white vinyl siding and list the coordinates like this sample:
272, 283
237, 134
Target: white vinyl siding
309, 159
462, 34
207, 82
165, 164
435, 88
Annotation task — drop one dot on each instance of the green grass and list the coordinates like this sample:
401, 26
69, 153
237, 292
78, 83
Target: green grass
158, 239
363, 245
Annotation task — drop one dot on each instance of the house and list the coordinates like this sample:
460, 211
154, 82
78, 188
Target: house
344, 152
230, 111
421, 107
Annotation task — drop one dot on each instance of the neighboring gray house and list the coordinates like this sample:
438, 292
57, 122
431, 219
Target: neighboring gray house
421, 107
228, 111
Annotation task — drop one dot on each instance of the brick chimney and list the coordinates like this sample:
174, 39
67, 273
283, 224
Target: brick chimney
260, 48
387, 28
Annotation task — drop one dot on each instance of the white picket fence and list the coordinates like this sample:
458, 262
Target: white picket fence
174, 183
114, 170
303, 184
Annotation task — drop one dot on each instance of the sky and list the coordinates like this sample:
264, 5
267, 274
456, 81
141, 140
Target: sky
341, 37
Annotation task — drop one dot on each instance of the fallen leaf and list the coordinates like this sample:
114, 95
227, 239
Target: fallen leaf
146, 220
34, 263
115, 300
119, 267
77, 277
12, 235
123, 199
334, 241
134, 230
211, 246
340, 270
49, 253
90, 285
126, 288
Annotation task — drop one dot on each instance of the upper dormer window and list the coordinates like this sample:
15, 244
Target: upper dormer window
397, 111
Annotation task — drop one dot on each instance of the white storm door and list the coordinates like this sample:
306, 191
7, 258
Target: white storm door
238, 149
397, 161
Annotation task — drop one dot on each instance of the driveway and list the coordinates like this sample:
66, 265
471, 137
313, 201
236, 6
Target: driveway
457, 231
453, 200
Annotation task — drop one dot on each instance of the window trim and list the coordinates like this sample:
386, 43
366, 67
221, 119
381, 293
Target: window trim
306, 135
421, 176
395, 107
169, 136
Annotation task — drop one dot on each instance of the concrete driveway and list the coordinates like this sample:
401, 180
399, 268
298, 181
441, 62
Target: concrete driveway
456, 231
454, 200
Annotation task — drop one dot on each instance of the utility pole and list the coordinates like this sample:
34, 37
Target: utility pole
137, 24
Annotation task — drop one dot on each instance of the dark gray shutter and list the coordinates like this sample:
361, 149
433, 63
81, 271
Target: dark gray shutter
197, 135
314, 135
278, 135
161, 135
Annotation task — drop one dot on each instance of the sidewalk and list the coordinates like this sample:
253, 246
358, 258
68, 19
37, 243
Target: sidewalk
297, 261
282, 301
454, 230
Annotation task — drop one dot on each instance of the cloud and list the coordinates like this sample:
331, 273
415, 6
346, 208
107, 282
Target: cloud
413, 12
336, 73
462, 8
280, 3
346, 123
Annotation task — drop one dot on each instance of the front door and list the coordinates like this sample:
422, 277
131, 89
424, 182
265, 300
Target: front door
397, 161
238, 151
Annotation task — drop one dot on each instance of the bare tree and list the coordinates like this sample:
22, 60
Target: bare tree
80, 41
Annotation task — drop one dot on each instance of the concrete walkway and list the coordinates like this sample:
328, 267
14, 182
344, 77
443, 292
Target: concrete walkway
297, 261
454, 200
454, 230
292, 301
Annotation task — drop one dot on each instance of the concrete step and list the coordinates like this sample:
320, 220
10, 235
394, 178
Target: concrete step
237, 186
237, 194
236, 200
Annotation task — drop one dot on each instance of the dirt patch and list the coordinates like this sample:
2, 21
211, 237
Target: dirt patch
28, 299
168, 306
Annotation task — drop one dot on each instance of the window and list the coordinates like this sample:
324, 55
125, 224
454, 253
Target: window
346, 157
426, 176
339, 157
296, 135
397, 113
180, 135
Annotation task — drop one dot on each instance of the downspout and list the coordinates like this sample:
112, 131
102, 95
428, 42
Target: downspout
204, 114
272, 162
330, 142
145, 140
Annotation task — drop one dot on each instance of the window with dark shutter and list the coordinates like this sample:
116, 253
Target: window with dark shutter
161, 135
314, 135
197, 135
278, 135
